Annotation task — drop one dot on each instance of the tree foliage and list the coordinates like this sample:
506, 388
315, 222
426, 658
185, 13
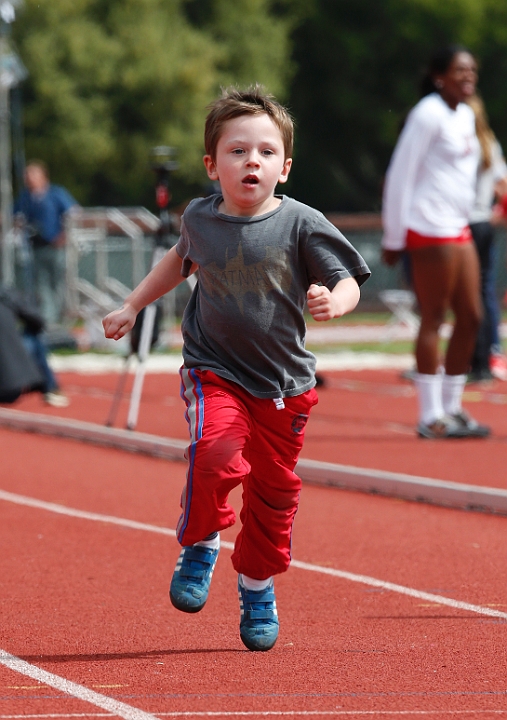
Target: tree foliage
359, 65
110, 79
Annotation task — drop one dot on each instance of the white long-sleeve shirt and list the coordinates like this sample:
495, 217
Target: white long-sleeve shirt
431, 179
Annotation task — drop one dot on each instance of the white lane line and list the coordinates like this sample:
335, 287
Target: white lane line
402, 589
83, 514
342, 574
116, 708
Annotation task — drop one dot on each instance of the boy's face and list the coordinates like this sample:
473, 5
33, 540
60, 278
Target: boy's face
250, 161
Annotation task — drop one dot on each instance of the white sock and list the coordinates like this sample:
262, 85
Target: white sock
255, 585
452, 392
213, 544
429, 389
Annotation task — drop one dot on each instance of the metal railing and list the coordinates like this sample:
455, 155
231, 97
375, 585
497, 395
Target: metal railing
108, 252
94, 236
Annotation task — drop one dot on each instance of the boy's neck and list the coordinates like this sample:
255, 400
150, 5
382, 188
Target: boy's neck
231, 209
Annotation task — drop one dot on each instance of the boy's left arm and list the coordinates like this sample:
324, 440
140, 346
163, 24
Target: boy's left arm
324, 304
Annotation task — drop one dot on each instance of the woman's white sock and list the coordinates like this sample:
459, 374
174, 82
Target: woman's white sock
429, 390
452, 392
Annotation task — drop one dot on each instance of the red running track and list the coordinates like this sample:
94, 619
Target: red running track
365, 419
88, 631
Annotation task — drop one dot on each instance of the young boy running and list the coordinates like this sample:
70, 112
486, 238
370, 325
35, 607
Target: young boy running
247, 379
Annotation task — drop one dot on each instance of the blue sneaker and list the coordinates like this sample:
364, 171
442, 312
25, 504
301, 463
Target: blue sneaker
192, 577
258, 625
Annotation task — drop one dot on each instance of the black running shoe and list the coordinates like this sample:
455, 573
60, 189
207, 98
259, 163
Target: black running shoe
472, 427
446, 428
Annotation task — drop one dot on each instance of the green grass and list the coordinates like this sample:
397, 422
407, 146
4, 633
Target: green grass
394, 348
356, 318
398, 347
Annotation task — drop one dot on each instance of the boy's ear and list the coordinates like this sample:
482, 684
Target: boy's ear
284, 175
211, 168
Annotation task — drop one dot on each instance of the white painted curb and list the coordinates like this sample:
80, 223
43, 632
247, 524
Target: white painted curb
408, 487
153, 445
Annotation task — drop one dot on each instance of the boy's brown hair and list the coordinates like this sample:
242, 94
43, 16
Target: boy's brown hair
254, 100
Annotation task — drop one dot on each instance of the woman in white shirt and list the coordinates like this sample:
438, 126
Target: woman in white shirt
428, 196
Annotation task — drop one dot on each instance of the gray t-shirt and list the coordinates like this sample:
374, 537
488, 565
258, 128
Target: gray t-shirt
245, 320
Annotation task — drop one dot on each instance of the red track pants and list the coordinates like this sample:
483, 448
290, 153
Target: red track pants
238, 438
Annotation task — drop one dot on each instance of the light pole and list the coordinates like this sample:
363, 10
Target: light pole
12, 72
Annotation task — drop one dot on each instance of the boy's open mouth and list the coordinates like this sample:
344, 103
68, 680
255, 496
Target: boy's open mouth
250, 180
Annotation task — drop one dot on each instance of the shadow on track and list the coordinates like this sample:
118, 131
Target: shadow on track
106, 657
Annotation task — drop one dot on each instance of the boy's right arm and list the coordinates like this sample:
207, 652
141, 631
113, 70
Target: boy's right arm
165, 276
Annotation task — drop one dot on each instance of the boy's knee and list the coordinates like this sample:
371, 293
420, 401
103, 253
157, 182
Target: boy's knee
278, 501
221, 456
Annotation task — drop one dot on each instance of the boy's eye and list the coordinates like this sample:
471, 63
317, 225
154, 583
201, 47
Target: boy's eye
238, 151
267, 152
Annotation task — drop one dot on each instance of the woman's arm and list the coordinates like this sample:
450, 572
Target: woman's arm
409, 153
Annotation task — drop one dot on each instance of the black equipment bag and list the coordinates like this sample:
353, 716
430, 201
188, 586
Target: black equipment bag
18, 371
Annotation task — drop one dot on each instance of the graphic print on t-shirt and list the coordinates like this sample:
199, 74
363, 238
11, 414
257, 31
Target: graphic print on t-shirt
238, 279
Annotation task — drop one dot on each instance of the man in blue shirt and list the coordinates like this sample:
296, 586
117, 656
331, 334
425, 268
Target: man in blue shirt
43, 206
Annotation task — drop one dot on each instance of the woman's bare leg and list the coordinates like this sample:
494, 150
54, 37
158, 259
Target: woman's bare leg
467, 308
434, 273
446, 276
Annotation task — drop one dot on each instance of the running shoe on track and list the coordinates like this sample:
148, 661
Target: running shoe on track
442, 429
471, 426
498, 366
258, 625
192, 577
56, 398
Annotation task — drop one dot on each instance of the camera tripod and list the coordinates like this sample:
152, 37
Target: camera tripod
145, 331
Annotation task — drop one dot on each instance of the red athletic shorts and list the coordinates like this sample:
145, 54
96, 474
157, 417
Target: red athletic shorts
414, 240
236, 439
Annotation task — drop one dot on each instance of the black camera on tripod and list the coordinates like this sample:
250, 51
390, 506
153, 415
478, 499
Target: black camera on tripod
163, 164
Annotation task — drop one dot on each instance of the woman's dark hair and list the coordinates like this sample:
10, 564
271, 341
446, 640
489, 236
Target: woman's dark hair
438, 65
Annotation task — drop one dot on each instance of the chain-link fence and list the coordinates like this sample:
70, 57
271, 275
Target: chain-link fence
110, 250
